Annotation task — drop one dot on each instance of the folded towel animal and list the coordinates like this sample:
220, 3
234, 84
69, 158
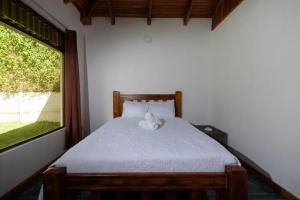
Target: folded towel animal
150, 122
148, 125
152, 118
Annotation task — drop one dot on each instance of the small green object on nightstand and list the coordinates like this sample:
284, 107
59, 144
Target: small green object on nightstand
215, 133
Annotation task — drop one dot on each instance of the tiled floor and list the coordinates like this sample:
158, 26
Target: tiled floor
257, 191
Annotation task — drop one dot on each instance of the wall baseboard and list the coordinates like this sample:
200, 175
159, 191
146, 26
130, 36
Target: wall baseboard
258, 172
8, 195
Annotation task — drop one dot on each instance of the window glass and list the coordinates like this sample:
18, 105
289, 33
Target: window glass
30, 87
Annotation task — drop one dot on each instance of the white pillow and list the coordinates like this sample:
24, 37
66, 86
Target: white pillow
134, 109
162, 109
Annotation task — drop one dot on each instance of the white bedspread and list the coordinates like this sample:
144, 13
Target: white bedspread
122, 146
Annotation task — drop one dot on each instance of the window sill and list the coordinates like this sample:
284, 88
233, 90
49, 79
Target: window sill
30, 139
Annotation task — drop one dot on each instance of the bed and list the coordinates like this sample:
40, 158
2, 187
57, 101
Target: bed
120, 156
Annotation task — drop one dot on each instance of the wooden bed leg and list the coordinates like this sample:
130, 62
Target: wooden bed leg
220, 195
237, 183
121, 195
195, 195
96, 195
171, 195
146, 195
70, 195
53, 180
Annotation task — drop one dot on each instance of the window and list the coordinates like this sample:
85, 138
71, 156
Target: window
30, 87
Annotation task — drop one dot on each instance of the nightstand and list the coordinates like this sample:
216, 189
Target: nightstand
215, 133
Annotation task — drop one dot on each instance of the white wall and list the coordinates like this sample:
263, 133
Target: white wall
256, 91
179, 58
31, 107
21, 162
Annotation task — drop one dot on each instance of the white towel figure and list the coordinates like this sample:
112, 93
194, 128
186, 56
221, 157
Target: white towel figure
150, 122
150, 117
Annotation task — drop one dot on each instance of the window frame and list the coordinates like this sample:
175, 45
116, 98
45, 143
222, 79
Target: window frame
62, 87
31, 139
22, 17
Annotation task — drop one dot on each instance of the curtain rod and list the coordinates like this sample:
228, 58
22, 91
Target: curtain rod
49, 14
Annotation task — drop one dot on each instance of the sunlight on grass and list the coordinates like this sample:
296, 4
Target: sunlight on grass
8, 126
14, 132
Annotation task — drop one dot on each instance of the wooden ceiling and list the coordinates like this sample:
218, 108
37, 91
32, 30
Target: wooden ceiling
148, 9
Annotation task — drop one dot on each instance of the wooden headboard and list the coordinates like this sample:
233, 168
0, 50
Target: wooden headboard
119, 98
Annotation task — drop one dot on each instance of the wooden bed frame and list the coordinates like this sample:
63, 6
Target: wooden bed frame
119, 98
230, 184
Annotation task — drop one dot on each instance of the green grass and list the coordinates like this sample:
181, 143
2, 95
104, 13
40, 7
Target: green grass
15, 132
8, 126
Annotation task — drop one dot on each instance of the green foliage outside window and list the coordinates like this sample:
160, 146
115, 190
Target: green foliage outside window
27, 65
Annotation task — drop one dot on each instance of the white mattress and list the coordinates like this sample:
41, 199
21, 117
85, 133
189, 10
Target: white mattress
122, 146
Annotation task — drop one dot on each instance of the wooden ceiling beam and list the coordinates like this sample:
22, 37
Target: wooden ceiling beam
149, 19
86, 14
223, 9
110, 11
188, 13
68, 1
147, 9
90, 7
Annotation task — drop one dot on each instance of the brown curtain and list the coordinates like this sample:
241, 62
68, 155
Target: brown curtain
72, 91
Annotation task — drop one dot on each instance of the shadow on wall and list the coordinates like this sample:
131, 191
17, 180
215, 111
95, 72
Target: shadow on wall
52, 110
